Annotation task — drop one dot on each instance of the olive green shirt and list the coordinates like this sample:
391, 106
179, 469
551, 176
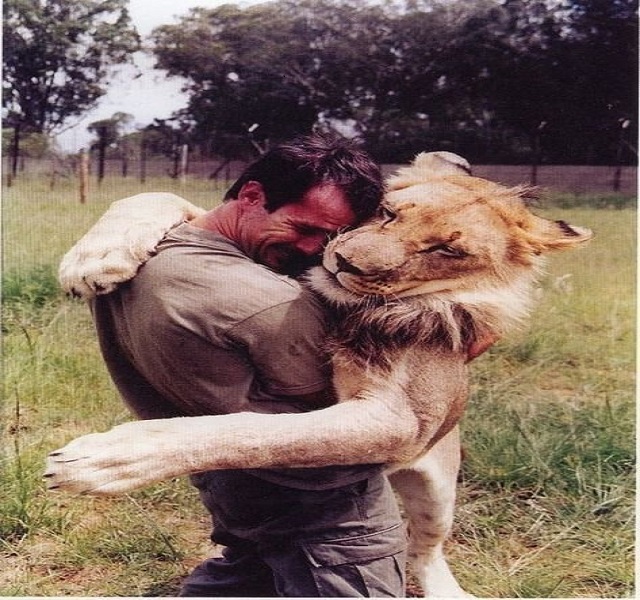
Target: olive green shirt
204, 330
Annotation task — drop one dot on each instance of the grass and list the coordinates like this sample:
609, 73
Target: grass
546, 501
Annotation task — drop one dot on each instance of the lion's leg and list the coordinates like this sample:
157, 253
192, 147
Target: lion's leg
428, 492
139, 453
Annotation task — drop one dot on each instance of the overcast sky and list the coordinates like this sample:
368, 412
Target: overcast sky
140, 91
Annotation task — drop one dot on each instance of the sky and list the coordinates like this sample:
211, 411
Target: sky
139, 90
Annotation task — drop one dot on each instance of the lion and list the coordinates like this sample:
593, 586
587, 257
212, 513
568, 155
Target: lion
449, 260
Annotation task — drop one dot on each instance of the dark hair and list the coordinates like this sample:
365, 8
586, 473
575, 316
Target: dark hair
289, 170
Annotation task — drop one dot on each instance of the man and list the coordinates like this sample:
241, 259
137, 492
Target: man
216, 324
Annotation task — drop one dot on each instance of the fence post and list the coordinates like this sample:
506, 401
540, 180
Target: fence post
15, 155
143, 159
184, 154
624, 124
536, 152
102, 152
83, 175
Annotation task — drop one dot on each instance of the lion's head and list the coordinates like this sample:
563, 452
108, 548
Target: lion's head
442, 231
446, 246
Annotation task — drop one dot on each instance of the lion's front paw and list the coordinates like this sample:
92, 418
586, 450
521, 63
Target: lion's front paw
125, 458
87, 272
122, 240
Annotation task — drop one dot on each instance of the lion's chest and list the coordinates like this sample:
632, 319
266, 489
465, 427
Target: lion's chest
352, 378
427, 386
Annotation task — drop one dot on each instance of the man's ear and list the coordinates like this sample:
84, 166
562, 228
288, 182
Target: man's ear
252, 194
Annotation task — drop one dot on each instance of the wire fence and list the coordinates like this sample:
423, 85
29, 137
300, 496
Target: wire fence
579, 179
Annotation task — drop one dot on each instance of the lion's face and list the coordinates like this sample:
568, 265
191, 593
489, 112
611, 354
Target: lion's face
441, 230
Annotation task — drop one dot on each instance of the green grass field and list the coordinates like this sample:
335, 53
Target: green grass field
546, 502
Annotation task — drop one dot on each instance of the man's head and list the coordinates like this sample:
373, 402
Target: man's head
288, 171
300, 194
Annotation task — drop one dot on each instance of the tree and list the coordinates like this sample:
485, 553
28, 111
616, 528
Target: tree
272, 70
600, 51
493, 79
564, 78
56, 57
402, 76
33, 145
236, 61
109, 133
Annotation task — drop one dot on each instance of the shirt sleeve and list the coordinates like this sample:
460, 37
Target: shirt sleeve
285, 344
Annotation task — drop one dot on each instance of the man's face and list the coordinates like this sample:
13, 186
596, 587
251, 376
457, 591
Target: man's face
292, 238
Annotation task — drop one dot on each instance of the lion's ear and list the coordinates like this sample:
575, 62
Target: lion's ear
550, 235
442, 163
428, 165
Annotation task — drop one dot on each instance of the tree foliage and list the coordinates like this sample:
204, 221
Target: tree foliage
56, 55
110, 130
495, 80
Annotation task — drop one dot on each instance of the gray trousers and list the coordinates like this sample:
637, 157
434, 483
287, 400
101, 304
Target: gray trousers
285, 542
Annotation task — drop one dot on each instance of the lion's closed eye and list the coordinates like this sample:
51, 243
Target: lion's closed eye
445, 250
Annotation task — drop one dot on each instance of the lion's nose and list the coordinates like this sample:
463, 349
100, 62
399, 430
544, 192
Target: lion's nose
345, 266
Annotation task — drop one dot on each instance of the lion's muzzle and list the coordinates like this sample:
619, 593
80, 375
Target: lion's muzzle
364, 253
